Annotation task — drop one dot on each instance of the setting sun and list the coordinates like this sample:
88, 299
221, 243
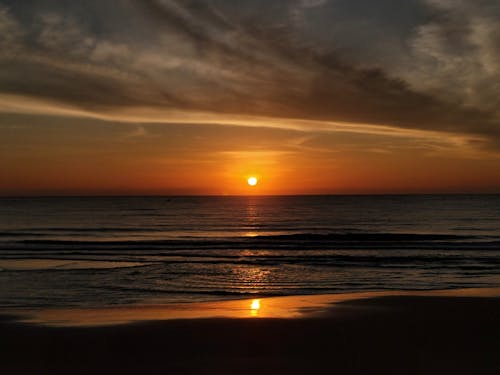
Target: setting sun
252, 181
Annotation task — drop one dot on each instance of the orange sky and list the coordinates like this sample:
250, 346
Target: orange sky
312, 97
74, 156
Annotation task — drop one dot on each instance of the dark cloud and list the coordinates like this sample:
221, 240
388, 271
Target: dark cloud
259, 60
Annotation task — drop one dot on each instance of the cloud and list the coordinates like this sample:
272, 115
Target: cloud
10, 31
312, 3
299, 8
112, 53
457, 55
178, 60
56, 33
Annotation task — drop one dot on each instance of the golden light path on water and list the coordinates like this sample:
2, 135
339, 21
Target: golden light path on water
274, 307
255, 307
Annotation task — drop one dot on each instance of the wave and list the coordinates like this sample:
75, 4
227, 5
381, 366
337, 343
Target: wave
34, 231
298, 241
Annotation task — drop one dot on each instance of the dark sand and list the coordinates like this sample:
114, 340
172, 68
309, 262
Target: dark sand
386, 335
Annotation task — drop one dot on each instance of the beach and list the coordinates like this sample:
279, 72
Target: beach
250, 285
394, 333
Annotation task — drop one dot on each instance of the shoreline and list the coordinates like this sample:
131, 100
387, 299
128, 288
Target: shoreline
282, 307
385, 334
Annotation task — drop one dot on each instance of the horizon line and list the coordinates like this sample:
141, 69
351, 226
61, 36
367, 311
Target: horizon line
236, 195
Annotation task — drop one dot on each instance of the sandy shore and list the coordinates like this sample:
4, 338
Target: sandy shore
396, 333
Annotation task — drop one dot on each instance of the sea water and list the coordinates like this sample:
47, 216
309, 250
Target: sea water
99, 251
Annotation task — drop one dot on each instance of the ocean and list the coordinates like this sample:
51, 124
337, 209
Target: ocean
102, 251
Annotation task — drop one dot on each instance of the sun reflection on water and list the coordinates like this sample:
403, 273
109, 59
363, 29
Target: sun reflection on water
255, 307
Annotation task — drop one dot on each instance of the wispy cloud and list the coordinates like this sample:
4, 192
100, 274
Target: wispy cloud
457, 54
208, 62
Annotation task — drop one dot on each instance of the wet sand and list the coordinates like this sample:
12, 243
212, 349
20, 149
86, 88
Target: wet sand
381, 334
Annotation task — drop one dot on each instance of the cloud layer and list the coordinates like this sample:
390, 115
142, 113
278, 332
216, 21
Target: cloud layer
434, 68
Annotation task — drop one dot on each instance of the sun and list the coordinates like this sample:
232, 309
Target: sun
252, 181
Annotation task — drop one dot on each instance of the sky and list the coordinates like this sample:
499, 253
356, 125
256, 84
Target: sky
189, 97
